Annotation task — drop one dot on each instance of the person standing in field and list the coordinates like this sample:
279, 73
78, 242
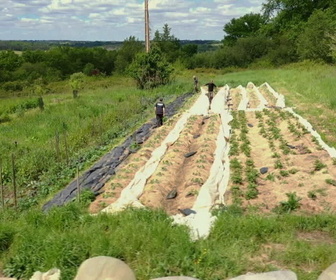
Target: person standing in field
211, 87
160, 109
195, 84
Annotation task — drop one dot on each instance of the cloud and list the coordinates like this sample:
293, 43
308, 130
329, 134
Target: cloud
117, 19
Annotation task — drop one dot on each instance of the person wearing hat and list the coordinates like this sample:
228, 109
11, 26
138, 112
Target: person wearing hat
160, 110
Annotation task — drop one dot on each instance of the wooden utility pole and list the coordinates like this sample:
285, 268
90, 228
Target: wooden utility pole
147, 39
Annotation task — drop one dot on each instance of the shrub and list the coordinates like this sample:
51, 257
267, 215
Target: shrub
150, 69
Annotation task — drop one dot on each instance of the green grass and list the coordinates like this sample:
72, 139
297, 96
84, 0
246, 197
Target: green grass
49, 144
152, 247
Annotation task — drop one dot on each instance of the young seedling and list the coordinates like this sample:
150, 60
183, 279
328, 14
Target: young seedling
284, 173
318, 165
331, 182
278, 164
312, 195
290, 205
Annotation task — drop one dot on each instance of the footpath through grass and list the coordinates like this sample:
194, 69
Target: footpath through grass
147, 241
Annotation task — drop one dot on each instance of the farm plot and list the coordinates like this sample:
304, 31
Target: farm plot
185, 166
276, 164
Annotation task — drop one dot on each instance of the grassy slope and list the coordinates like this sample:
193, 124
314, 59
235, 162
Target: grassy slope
85, 128
147, 241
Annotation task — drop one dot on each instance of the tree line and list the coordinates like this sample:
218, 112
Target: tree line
285, 31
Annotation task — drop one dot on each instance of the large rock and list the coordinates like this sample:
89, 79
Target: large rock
274, 275
52, 274
175, 278
104, 268
329, 273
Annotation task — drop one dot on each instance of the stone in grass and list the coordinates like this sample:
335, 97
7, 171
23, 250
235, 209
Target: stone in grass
196, 136
172, 194
175, 278
263, 170
274, 275
187, 211
329, 273
250, 125
102, 267
190, 154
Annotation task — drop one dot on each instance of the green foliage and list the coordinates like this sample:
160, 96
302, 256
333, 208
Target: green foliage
312, 195
331, 182
76, 82
245, 26
150, 69
168, 44
290, 205
318, 165
86, 197
127, 53
9, 61
315, 42
252, 191
64, 237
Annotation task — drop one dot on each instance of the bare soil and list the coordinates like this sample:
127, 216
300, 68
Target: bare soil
295, 162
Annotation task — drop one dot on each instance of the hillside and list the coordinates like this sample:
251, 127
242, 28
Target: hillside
191, 159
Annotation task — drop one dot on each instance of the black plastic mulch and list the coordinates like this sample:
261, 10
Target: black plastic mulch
95, 178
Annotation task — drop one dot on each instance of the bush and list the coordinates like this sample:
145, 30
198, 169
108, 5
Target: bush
150, 69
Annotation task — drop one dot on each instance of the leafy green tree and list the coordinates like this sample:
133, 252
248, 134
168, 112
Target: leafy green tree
187, 53
9, 60
34, 56
287, 15
282, 51
127, 53
245, 26
150, 69
168, 43
88, 69
316, 40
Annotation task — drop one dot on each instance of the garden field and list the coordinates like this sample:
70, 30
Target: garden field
282, 219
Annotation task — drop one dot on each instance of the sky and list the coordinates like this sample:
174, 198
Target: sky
117, 20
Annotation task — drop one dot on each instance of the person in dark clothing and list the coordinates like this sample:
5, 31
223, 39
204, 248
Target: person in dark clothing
211, 87
195, 84
160, 109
